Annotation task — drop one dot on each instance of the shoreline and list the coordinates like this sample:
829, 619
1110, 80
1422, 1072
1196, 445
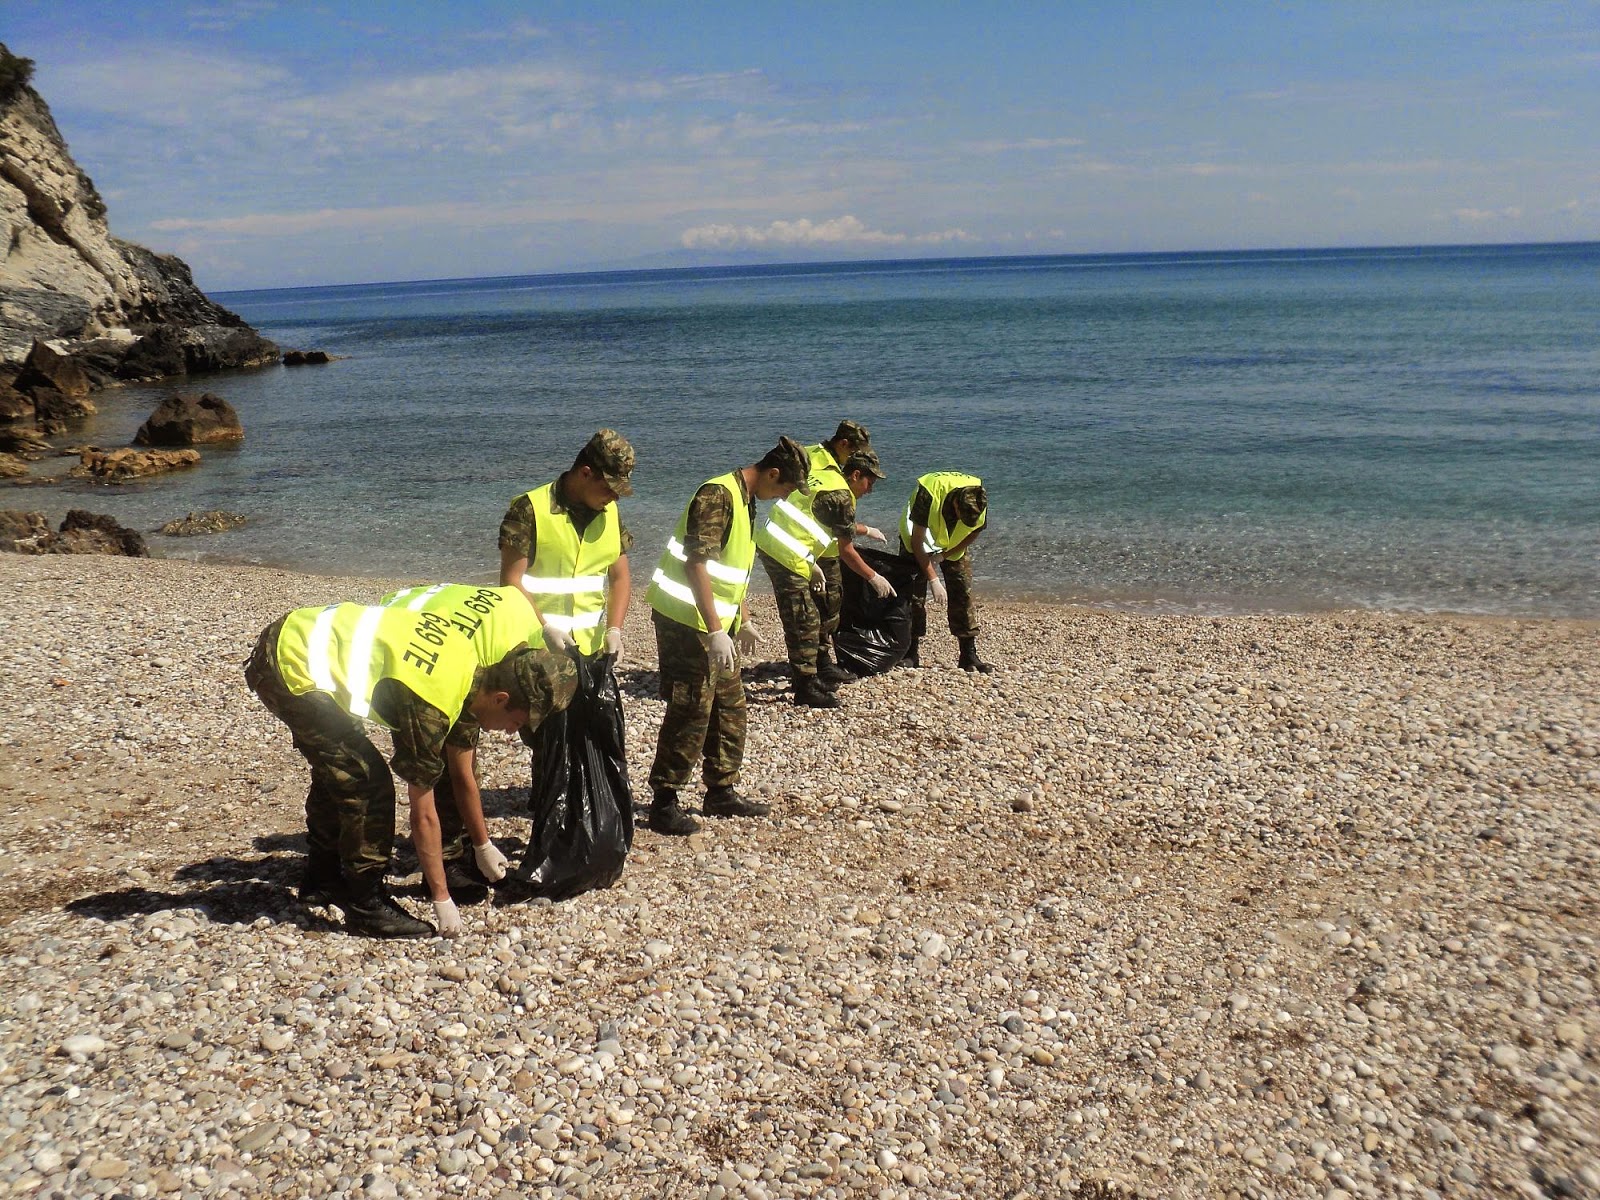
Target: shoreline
1278, 905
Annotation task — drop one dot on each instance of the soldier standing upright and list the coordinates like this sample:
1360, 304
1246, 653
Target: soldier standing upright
945, 513
698, 597
798, 533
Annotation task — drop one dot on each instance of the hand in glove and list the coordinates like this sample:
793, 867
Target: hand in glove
557, 640
936, 590
867, 531
749, 638
880, 586
819, 581
719, 649
614, 642
490, 861
448, 917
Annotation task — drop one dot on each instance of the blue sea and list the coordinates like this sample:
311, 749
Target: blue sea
1404, 429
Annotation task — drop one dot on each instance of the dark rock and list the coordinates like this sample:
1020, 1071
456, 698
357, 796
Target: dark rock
46, 367
184, 419
12, 466
94, 533
22, 440
54, 411
24, 532
119, 466
215, 521
303, 358
30, 314
15, 408
156, 355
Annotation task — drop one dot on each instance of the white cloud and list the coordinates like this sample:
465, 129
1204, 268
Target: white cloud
839, 231
1024, 144
1480, 216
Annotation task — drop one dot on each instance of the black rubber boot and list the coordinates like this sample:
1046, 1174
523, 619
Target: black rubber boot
969, 660
725, 802
808, 693
322, 883
373, 913
830, 674
667, 816
911, 659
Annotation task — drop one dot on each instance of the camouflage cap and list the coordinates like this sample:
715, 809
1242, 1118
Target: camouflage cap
609, 454
970, 504
864, 460
793, 463
542, 681
853, 432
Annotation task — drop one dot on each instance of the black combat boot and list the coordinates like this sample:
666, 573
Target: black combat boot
911, 659
466, 883
371, 912
809, 693
322, 883
969, 660
667, 816
725, 802
830, 674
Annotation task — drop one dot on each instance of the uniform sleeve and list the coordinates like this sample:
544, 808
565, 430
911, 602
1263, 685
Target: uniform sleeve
921, 506
464, 734
516, 528
623, 536
420, 731
836, 512
710, 515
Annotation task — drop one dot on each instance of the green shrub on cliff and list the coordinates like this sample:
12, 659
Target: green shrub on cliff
15, 74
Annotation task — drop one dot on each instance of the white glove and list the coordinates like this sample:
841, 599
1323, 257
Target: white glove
555, 639
867, 531
614, 642
819, 581
936, 590
490, 861
880, 586
444, 912
749, 638
719, 649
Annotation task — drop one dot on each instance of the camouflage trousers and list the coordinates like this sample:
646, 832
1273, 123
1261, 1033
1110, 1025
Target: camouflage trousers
831, 604
350, 805
962, 612
705, 717
798, 613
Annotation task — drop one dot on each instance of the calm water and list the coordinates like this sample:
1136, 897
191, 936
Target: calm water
1404, 429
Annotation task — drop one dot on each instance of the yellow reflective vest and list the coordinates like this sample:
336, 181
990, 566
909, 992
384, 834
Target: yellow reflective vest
939, 536
669, 592
791, 535
567, 572
345, 649
496, 620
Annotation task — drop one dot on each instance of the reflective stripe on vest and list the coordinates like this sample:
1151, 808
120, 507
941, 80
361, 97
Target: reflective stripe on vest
345, 650
792, 536
567, 571
937, 536
669, 593
497, 620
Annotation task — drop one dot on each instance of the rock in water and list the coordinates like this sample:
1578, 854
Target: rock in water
184, 419
215, 521
119, 466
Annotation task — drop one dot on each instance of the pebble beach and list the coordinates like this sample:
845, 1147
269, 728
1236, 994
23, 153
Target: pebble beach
1167, 906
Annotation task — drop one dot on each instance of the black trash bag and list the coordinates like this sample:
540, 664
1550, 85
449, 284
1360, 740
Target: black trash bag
875, 634
581, 802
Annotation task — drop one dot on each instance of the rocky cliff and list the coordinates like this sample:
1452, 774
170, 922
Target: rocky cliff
118, 310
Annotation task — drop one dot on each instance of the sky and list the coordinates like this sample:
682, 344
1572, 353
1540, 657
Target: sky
289, 144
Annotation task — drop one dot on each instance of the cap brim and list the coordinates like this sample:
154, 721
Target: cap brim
619, 485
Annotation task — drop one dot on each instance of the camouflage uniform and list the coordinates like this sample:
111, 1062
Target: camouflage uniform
706, 717
350, 806
962, 611
517, 526
849, 437
808, 620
